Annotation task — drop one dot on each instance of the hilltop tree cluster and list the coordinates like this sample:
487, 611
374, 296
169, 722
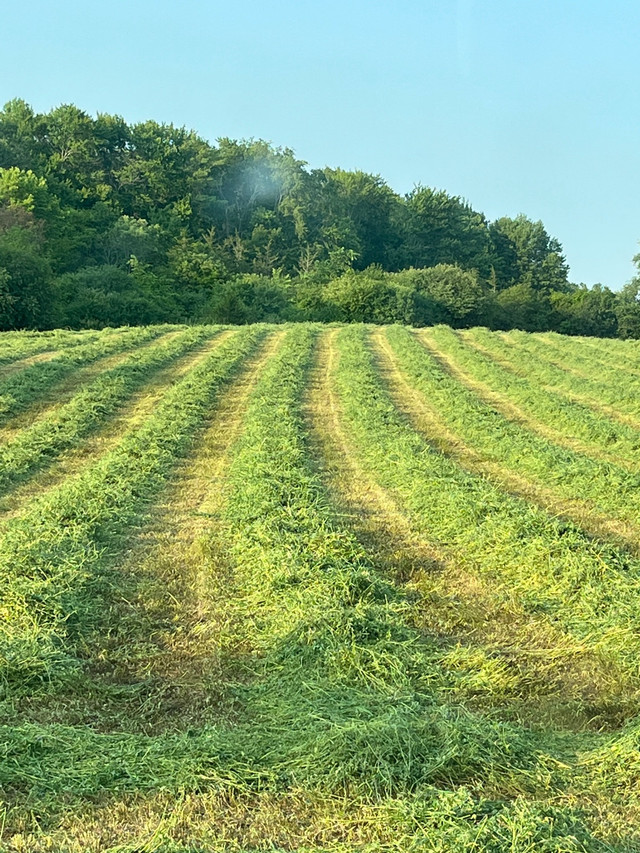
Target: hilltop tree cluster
106, 223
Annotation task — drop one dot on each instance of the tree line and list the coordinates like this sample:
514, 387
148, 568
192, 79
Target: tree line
104, 223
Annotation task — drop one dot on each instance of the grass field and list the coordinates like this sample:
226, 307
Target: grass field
305, 588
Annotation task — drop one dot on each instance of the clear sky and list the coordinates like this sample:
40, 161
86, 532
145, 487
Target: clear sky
528, 106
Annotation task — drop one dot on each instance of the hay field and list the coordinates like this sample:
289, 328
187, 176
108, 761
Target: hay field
319, 588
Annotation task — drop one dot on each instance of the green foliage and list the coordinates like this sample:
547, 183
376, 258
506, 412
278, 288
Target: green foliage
521, 306
101, 296
526, 254
456, 296
131, 238
250, 298
366, 297
628, 310
25, 189
26, 292
443, 229
581, 311
365, 211
201, 220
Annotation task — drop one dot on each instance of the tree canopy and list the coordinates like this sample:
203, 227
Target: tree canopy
104, 222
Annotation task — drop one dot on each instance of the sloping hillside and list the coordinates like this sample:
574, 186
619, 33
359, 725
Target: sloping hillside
310, 587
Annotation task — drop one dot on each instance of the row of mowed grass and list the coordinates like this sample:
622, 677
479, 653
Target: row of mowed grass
398, 611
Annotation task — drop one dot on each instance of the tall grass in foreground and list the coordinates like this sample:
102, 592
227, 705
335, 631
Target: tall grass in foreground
50, 555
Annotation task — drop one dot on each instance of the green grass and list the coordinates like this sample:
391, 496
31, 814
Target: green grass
588, 587
594, 379
616, 353
22, 389
38, 445
344, 722
610, 484
50, 589
18, 345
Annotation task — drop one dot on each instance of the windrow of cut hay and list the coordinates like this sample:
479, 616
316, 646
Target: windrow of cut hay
587, 586
21, 390
344, 721
544, 381
613, 490
49, 555
38, 445
15, 346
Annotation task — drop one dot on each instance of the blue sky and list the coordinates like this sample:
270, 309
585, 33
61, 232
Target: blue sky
525, 106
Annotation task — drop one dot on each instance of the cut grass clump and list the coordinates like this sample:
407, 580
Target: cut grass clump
349, 694
343, 694
590, 402
566, 447
16, 346
204, 805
